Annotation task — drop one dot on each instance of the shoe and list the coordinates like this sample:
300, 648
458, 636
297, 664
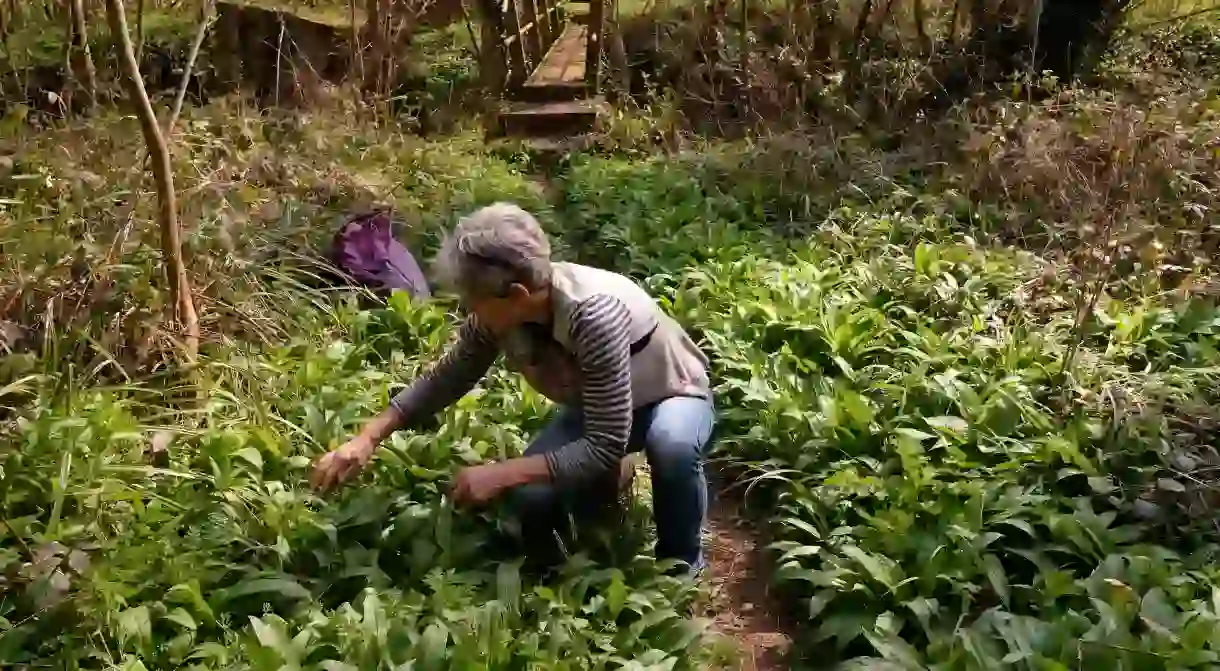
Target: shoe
686, 571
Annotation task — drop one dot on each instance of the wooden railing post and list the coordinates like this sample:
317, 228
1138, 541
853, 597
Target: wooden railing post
554, 17
514, 44
492, 59
544, 25
593, 55
531, 33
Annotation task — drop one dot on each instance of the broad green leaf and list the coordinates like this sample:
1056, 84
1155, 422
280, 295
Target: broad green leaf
924, 609
843, 628
892, 647
189, 593
135, 626
913, 433
616, 595
182, 618
871, 564
251, 456
799, 552
1170, 485
1157, 612
1101, 484
996, 576
432, 646
819, 601
284, 587
210, 650
267, 634
508, 585
858, 409
954, 425
1020, 524
803, 526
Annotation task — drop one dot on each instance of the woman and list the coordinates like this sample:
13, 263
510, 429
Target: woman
625, 375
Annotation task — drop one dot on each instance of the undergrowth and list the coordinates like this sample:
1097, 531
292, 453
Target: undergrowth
220, 557
953, 490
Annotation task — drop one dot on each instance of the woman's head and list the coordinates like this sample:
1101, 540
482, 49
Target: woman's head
498, 260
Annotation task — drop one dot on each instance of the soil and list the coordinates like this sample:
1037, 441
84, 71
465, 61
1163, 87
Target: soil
741, 605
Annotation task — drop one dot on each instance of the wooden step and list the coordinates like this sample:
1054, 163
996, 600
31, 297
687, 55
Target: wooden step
551, 119
550, 92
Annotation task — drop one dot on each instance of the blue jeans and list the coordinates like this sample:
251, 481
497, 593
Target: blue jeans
673, 434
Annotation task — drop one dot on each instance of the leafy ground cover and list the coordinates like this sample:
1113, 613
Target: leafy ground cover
220, 557
961, 482
970, 462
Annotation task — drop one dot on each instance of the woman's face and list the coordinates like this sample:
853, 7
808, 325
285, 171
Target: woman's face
500, 314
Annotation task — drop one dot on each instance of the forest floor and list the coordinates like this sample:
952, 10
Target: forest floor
741, 603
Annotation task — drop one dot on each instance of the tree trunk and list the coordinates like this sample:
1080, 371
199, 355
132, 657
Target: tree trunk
82, 57
357, 63
226, 50
951, 28
377, 25
52, 10
866, 13
827, 19
167, 216
887, 14
745, 42
139, 30
474, 39
617, 53
15, 14
982, 20
921, 28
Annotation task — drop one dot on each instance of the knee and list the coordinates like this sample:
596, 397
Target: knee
673, 451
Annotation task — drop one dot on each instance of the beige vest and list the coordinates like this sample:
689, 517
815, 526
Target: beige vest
669, 365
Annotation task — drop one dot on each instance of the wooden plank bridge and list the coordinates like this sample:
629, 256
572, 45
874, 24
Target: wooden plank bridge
543, 58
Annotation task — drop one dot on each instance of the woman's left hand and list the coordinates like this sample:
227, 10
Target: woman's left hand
477, 485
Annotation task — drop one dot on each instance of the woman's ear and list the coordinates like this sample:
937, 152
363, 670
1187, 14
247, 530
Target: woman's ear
518, 292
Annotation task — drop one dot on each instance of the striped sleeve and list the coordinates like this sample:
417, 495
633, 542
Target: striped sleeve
601, 340
447, 380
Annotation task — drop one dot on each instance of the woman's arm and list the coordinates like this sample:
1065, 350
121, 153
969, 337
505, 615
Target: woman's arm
454, 374
600, 335
450, 378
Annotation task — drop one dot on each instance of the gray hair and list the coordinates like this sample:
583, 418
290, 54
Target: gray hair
494, 248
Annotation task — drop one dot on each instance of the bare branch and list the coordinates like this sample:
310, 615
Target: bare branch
205, 22
81, 31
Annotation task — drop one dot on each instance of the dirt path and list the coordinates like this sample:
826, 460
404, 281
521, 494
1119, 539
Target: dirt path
741, 606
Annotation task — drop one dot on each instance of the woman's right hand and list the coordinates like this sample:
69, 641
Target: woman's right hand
337, 466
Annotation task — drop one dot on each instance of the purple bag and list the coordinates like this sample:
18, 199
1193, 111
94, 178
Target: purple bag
365, 249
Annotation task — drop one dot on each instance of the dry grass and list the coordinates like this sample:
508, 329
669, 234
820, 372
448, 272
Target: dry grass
752, 67
1135, 185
